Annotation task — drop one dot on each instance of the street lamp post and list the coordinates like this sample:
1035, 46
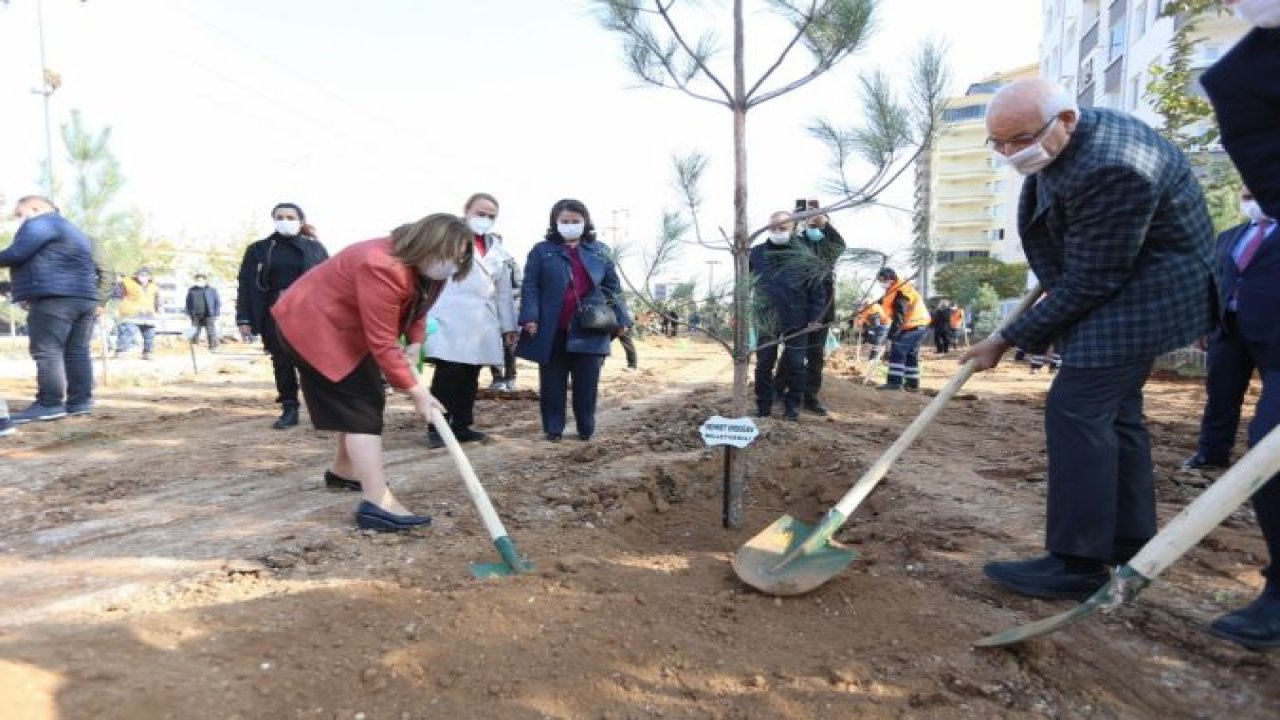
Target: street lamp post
50, 81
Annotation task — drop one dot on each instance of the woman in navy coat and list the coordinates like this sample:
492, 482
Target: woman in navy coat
568, 268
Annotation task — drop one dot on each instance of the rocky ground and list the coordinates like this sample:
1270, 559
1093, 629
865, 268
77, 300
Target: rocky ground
171, 556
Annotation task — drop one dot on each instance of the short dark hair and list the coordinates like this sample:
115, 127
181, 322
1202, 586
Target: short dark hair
589, 229
477, 197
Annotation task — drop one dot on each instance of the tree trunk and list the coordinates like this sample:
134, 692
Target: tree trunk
741, 272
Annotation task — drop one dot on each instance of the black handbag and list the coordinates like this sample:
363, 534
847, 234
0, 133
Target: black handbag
594, 316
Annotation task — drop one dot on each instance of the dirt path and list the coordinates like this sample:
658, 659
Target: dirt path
172, 556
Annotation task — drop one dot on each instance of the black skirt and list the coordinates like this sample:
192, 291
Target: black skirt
353, 404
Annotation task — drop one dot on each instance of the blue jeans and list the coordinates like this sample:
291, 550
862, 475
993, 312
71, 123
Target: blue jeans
59, 332
128, 331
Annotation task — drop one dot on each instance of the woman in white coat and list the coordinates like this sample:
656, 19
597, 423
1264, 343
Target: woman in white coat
474, 318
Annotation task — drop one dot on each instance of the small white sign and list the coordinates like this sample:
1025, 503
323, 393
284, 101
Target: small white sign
738, 432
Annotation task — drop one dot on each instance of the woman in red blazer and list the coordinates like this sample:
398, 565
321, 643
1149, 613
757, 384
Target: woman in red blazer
342, 322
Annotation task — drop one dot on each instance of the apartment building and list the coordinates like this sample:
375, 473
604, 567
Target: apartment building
1102, 51
972, 195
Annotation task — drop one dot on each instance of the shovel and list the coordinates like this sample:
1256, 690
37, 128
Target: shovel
512, 561
1190, 526
790, 557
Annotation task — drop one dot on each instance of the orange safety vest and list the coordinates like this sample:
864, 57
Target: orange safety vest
957, 318
877, 309
916, 314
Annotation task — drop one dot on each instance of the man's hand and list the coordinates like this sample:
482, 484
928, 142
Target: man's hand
423, 401
245, 330
531, 328
987, 353
819, 221
510, 338
1202, 343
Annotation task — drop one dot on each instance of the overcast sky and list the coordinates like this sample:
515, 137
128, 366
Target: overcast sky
371, 114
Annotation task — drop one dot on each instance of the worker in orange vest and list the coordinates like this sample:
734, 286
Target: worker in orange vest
874, 321
957, 325
909, 320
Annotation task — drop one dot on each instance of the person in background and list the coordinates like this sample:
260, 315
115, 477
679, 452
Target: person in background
874, 322
504, 376
567, 269
475, 318
958, 328
909, 318
789, 300
269, 267
825, 241
941, 326
628, 344
53, 272
1115, 227
203, 307
341, 325
139, 312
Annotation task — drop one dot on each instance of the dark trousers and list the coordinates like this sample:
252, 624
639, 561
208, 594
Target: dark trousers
454, 385
210, 327
553, 381
1266, 502
629, 348
1231, 362
508, 369
815, 348
942, 340
1101, 502
282, 365
59, 330
792, 384
904, 358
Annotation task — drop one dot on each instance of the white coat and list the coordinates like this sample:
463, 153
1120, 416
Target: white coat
471, 315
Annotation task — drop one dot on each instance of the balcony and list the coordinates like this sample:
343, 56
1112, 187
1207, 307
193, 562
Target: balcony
1089, 40
972, 220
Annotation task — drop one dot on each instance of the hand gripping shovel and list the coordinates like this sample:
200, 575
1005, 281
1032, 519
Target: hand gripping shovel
1195, 521
789, 557
512, 561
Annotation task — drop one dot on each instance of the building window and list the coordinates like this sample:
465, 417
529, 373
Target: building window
996, 186
1116, 48
1140, 20
996, 211
962, 114
1135, 91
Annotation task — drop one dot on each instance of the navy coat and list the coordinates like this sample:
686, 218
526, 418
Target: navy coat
546, 278
1257, 289
50, 258
1117, 231
1244, 87
212, 301
789, 291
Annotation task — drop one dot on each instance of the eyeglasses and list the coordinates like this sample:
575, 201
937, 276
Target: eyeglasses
1021, 141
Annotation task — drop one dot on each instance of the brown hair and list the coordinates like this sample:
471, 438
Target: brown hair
477, 197
439, 236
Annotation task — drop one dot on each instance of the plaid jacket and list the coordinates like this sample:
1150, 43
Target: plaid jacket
1117, 231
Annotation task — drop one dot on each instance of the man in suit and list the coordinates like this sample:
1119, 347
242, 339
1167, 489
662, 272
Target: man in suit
1114, 225
1244, 87
1237, 345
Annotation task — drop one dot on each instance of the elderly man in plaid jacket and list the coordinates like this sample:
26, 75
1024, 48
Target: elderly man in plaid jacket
1115, 226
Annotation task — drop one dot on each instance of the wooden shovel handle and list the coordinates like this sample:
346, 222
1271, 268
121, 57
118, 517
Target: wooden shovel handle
876, 472
492, 523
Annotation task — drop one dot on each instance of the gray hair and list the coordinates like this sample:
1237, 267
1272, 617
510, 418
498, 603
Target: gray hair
1058, 102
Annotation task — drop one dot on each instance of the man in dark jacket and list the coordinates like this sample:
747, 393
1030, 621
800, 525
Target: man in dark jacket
827, 244
1244, 87
52, 266
788, 299
203, 307
1114, 225
269, 267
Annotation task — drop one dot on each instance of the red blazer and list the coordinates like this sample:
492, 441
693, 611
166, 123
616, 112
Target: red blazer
357, 303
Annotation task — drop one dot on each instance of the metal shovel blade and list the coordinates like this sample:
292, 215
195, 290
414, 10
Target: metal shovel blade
1125, 584
513, 562
765, 561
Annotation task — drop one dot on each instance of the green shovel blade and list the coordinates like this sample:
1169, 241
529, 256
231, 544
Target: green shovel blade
512, 561
1124, 586
773, 563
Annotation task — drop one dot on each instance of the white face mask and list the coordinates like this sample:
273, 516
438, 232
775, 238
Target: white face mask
1263, 13
1252, 210
779, 237
570, 231
439, 269
1031, 159
288, 228
480, 225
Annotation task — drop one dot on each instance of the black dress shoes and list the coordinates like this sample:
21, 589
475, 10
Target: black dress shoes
1255, 626
1200, 462
333, 481
1054, 577
288, 418
372, 517
815, 407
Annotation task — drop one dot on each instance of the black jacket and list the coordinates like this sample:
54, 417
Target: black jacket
1244, 87
788, 287
212, 302
254, 296
828, 250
